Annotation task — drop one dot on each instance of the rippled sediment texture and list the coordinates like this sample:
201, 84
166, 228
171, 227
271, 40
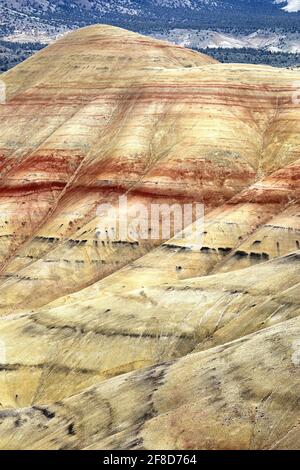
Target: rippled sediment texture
148, 345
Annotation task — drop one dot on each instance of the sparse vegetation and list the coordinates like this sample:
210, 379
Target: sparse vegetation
12, 53
253, 56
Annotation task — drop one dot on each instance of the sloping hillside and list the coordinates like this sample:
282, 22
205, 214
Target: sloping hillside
155, 343
44, 15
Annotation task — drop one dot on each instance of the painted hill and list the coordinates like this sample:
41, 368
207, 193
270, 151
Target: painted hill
125, 344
